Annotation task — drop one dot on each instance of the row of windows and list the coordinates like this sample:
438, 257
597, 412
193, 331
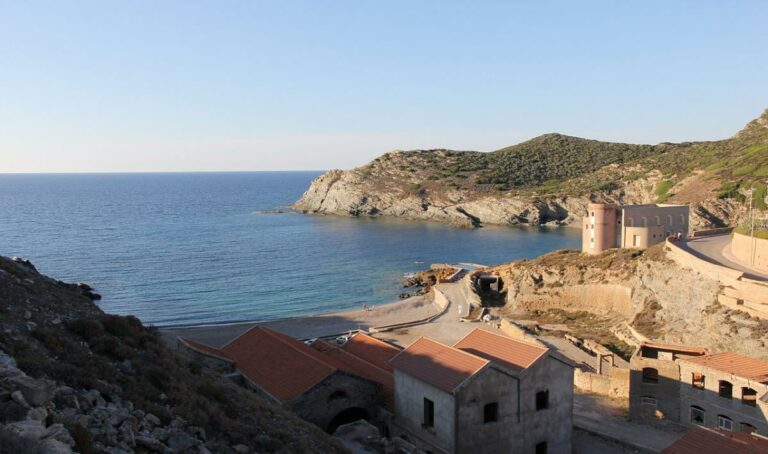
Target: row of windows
724, 387
490, 410
644, 221
723, 422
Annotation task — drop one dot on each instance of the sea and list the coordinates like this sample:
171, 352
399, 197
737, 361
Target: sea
201, 248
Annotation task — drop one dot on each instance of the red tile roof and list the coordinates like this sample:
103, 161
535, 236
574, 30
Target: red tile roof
202, 348
711, 441
439, 365
373, 350
734, 363
286, 368
279, 364
342, 359
502, 350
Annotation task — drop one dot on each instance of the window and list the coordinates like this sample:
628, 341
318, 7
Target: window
593, 214
725, 389
697, 415
490, 412
541, 448
429, 413
648, 352
658, 221
669, 220
630, 222
749, 397
746, 428
682, 220
645, 221
697, 380
649, 401
724, 422
542, 400
650, 375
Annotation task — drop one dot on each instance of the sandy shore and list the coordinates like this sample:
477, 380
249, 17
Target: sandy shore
407, 310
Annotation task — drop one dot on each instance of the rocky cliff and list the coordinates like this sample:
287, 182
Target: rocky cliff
641, 289
550, 179
75, 379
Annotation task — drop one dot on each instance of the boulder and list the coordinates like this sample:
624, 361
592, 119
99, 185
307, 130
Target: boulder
51, 446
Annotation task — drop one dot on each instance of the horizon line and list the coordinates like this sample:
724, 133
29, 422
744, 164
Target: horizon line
129, 172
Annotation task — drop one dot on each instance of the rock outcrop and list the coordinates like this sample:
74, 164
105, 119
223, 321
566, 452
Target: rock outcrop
550, 180
642, 289
73, 378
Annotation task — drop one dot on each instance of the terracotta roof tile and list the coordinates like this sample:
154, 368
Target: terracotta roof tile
441, 366
279, 364
734, 363
342, 359
373, 350
202, 348
711, 441
502, 350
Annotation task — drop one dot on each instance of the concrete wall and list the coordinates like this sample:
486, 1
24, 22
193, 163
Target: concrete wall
319, 406
409, 410
739, 292
753, 251
474, 435
714, 405
613, 384
666, 391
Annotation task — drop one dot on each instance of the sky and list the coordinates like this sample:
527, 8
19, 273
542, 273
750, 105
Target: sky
127, 86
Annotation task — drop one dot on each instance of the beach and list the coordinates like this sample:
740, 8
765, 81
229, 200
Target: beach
408, 310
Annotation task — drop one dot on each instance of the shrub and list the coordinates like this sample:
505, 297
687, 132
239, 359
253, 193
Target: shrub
86, 328
745, 170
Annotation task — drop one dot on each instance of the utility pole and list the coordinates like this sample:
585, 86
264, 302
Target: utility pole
751, 229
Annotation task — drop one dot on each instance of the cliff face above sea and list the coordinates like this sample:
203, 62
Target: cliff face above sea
73, 378
550, 179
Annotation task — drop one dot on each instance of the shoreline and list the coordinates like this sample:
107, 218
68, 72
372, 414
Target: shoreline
310, 326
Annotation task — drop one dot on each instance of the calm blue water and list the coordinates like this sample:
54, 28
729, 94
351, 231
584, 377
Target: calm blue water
193, 248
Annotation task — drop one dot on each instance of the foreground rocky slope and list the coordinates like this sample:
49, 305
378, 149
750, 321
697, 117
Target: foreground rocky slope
550, 179
640, 289
74, 378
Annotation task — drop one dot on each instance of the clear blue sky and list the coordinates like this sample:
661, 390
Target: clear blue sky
263, 85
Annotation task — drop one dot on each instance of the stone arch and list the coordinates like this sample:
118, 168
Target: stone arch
347, 416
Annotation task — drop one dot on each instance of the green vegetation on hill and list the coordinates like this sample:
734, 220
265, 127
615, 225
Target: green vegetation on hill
555, 164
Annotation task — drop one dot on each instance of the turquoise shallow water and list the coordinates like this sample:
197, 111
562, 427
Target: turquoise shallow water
195, 248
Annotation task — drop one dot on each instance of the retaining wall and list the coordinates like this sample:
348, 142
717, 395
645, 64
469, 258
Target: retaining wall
747, 248
614, 384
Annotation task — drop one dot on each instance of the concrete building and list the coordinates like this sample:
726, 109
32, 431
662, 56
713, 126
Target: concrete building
725, 390
486, 394
654, 380
608, 226
323, 383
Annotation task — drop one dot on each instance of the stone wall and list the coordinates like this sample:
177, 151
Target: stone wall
747, 249
409, 411
614, 384
666, 391
713, 404
603, 299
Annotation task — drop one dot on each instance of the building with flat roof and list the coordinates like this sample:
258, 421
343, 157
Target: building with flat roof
609, 226
486, 394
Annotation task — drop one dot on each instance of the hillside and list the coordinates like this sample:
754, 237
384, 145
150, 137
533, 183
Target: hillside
550, 179
600, 296
73, 377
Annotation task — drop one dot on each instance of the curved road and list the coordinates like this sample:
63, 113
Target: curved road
716, 249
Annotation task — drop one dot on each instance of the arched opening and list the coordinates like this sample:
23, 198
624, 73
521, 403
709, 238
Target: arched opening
650, 375
697, 415
345, 417
749, 396
645, 221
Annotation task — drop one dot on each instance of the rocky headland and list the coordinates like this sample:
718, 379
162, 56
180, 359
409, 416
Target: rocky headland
73, 378
550, 179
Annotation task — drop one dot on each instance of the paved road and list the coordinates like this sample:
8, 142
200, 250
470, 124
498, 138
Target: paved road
716, 249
